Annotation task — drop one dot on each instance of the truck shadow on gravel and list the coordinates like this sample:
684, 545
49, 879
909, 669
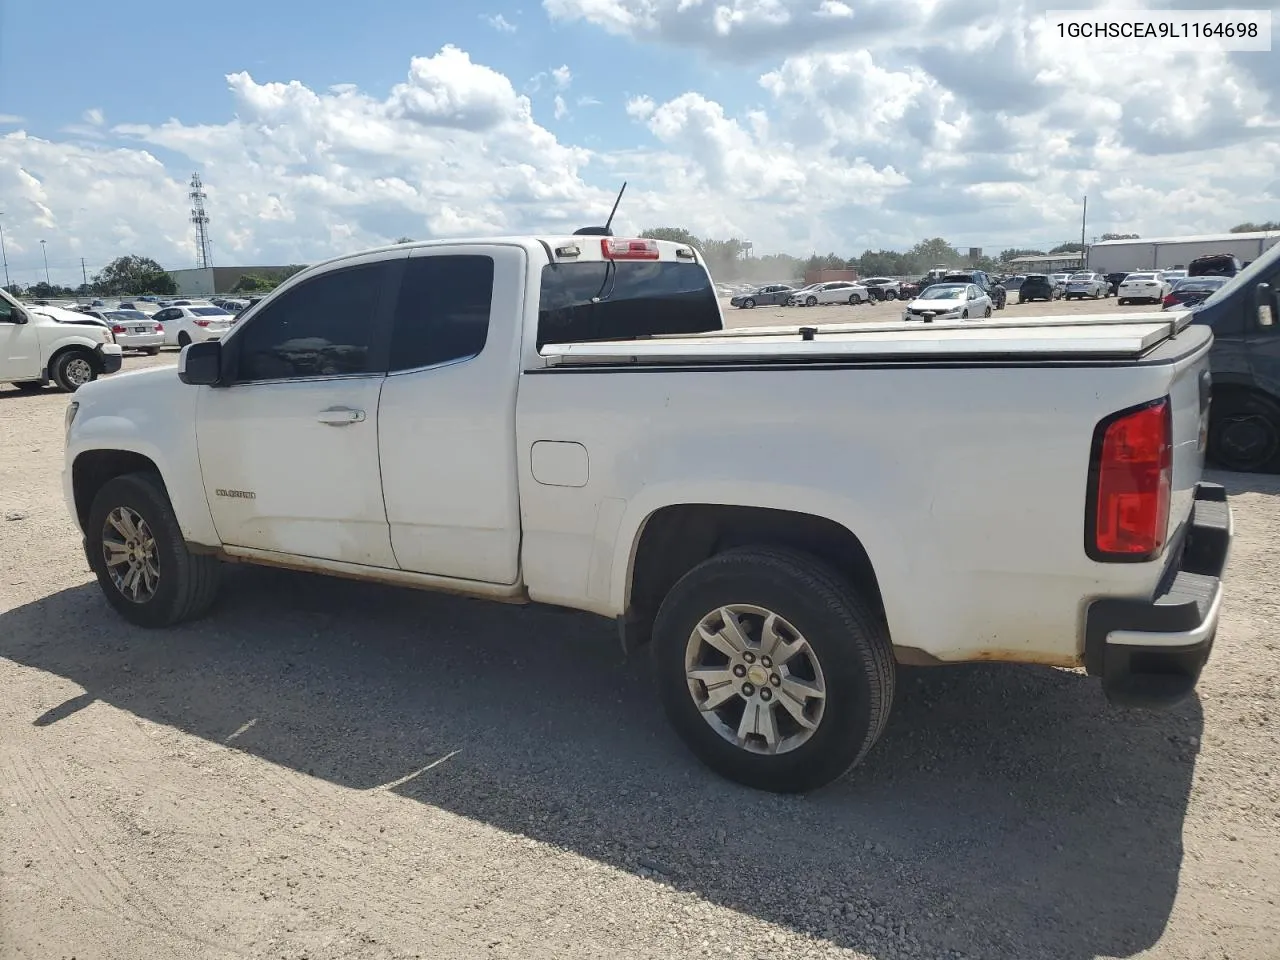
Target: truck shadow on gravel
1008, 812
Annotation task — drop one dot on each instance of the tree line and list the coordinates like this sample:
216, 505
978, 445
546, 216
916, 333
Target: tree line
142, 276
726, 261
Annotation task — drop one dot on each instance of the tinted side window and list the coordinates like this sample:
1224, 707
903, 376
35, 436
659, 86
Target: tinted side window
324, 327
442, 313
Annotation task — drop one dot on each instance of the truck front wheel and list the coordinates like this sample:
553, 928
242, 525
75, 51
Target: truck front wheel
773, 669
136, 550
73, 369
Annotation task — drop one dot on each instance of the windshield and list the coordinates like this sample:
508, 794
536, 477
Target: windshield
943, 293
127, 315
209, 312
1082, 276
1140, 276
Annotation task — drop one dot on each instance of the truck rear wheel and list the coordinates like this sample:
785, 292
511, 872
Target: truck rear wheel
1244, 433
136, 550
773, 669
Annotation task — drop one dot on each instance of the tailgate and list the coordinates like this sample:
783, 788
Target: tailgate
1189, 393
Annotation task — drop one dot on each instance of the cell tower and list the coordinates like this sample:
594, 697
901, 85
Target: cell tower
201, 220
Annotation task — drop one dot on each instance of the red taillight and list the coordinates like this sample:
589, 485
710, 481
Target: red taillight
118, 329
1169, 300
159, 328
201, 323
1131, 477
614, 248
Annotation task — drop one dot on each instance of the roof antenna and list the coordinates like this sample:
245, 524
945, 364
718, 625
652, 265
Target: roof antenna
603, 231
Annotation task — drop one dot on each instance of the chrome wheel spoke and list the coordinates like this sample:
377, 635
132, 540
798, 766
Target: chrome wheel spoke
758, 720
719, 683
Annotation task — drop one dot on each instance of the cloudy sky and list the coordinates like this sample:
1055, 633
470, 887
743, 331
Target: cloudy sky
802, 125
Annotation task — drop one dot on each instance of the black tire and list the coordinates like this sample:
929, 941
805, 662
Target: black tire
69, 367
988, 312
1122, 302
844, 631
853, 300
188, 583
29, 386
964, 314
152, 351
891, 294
1244, 433
183, 339
748, 304
811, 301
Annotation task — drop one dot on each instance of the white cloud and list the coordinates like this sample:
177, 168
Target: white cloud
94, 117
499, 23
834, 9
979, 128
9, 119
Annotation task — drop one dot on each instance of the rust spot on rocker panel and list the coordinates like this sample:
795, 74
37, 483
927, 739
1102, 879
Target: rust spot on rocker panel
915, 657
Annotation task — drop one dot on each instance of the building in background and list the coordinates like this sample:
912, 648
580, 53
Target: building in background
1049, 263
1174, 253
210, 281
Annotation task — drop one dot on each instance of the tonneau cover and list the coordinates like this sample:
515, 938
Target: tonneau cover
1110, 336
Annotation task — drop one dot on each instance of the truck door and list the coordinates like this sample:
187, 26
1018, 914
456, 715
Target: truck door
447, 420
289, 449
1262, 338
19, 344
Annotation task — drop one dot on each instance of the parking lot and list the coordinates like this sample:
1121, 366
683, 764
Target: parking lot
327, 769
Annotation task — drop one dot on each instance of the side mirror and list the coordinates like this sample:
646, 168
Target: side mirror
1266, 301
200, 364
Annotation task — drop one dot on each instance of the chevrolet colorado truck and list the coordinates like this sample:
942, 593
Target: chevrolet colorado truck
783, 514
39, 344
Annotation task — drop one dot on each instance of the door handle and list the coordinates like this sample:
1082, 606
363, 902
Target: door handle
340, 416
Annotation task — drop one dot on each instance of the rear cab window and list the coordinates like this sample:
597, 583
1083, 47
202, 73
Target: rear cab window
624, 300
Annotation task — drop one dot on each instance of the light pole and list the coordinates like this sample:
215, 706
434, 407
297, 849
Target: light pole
4, 256
44, 253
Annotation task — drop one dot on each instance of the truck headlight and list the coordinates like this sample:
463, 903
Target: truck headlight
70, 416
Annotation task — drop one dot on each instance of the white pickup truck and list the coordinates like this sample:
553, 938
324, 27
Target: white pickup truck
39, 344
785, 513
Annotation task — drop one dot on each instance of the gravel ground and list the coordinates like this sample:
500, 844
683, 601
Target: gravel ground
325, 769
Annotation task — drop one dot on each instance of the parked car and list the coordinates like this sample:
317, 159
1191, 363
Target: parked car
1143, 287
1192, 291
1037, 286
444, 443
1012, 284
984, 281
835, 291
771, 295
1086, 284
184, 325
1215, 265
1113, 282
134, 330
883, 288
142, 306
1060, 280
949, 301
39, 344
1244, 417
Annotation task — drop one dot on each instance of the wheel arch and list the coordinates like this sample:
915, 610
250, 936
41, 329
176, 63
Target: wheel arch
673, 539
66, 347
92, 469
